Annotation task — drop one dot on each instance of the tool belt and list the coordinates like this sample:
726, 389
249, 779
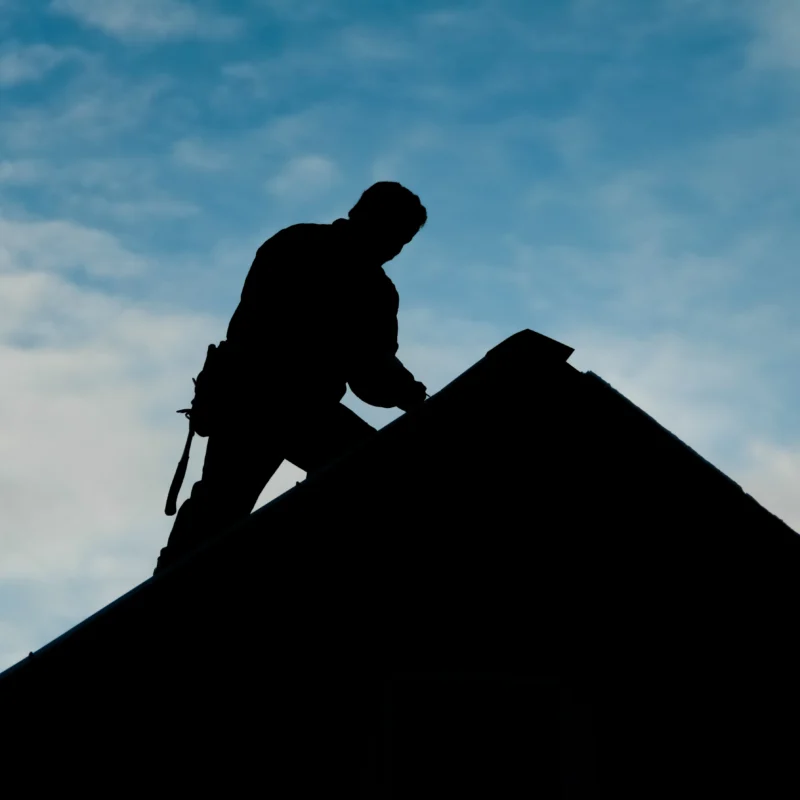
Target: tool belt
208, 388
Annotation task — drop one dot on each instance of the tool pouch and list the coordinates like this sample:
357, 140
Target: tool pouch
202, 416
208, 389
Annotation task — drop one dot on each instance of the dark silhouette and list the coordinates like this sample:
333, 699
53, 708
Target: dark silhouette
317, 312
527, 589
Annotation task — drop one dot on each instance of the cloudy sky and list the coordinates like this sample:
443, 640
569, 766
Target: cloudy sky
621, 176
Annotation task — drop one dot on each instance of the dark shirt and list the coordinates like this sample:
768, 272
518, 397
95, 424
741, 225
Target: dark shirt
315, 314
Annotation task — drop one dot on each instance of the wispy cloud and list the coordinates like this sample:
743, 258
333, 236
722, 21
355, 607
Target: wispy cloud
685, 384
302, 11
26, 63
364, 44
777, 34
707, 394
149, 19
91, 381
92, 109
96, 191
61, 246
304, 178
74, 401
136, 211
196, 155
21, 172
771, 473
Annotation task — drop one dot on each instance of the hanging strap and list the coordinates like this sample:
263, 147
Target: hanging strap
180, 472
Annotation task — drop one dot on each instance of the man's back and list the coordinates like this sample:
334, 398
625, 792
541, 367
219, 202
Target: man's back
314, 310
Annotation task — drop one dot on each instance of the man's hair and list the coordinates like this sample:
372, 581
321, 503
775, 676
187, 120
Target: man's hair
389, 200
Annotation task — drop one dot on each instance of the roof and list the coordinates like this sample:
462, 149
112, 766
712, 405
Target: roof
528, 528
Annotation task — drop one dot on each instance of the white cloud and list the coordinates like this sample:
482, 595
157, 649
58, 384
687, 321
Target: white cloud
96, 107
440, 347
295, 129
149, 19
12, 640
777, 33
21, 172
90, 386
193, 153
771, 474
706, 393
693, 390
447, 18
136, 210
304, 178
365, 44
125, 190
26, 63
302, 10
90, 382
402, 150
773, 26
57, 245
110, 104
243, 70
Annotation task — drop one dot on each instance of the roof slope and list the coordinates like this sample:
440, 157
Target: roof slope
529, 534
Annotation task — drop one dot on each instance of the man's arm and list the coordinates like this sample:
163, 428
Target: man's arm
377, 376
388, 384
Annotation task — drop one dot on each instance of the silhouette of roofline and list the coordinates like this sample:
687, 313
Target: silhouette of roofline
527, 520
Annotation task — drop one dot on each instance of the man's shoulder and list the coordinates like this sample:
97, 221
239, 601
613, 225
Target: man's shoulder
305, 229
298, 234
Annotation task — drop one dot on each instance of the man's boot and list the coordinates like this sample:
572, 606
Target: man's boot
183, 537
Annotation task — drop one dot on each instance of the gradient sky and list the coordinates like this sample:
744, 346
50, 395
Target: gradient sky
616, 174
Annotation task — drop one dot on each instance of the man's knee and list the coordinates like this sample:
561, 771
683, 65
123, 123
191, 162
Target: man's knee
212, 501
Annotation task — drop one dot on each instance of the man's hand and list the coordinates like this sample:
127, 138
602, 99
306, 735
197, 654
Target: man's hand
414, 397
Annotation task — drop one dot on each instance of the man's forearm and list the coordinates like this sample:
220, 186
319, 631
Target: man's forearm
385, 383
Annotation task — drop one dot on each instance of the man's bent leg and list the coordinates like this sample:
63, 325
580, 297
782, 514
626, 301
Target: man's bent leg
236, 469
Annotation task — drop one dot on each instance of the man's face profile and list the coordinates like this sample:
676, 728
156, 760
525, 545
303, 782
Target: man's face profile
385, 238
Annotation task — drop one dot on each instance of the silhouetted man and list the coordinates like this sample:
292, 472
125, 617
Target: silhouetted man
317, 312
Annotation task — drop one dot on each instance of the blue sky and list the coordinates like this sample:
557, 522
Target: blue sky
618, 175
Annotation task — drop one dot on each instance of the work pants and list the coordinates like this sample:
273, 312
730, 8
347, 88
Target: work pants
245, 453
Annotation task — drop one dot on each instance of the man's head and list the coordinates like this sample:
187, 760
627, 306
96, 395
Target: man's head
387, 217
